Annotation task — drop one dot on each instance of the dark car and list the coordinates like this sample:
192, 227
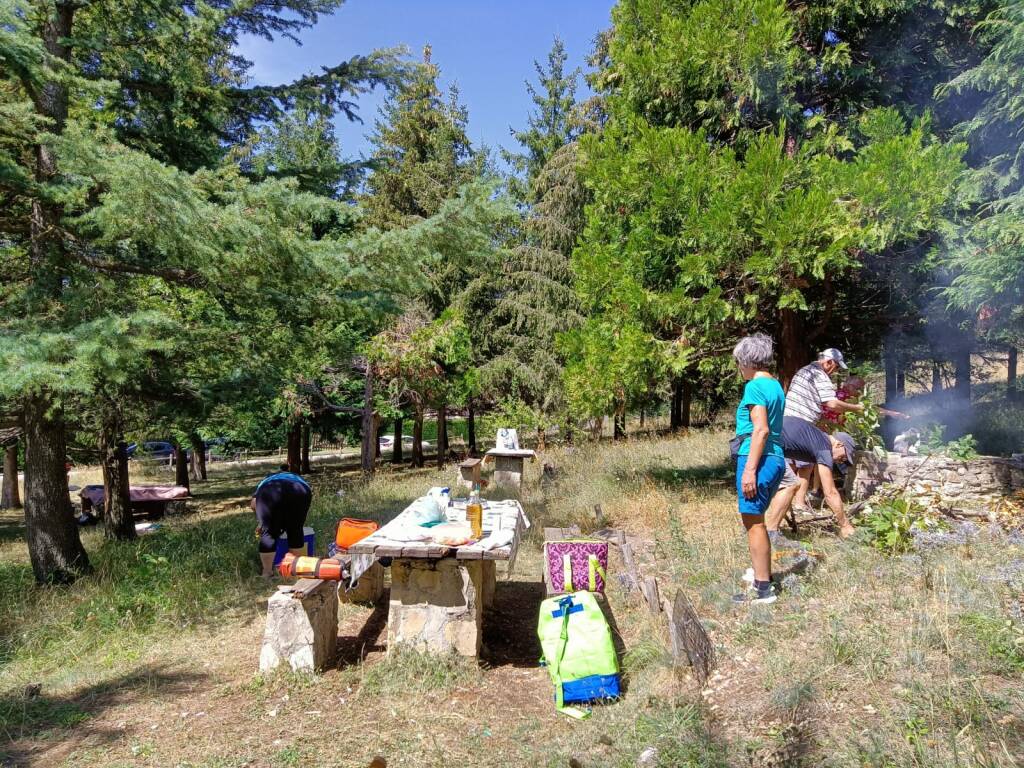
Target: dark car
151, 449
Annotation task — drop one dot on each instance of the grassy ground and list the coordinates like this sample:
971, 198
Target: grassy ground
871, 660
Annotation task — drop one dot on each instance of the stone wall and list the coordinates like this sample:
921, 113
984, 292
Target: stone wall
977, 484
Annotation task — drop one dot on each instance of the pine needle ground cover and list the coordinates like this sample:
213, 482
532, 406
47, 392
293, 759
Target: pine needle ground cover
870, 660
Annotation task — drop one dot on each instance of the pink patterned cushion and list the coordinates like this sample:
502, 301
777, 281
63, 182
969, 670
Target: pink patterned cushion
579, 556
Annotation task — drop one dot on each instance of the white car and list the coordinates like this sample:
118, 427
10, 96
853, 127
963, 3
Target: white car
387, 442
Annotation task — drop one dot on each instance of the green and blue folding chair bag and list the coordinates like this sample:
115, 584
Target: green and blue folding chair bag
578, 651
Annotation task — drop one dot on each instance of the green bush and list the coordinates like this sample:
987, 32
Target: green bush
890, 523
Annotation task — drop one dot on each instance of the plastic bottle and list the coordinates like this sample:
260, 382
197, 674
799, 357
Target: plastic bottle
475, 513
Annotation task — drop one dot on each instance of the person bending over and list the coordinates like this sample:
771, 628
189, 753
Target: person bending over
760, 461
842, 449
281, 502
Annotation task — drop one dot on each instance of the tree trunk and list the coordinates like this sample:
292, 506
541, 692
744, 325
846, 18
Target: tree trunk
295, 447
901, 382
118, 523
962, 382
417, 439
307, 436
368, 427
674, 410
54, 546
10, 497
442, 434
794, 351
686, 400
889, 356
471, 428
936, 378
619, 422
1011, 373
198, 456
396, 450
643, 417
181, 466
378, 429
542, 444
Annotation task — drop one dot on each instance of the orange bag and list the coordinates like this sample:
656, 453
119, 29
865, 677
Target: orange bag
351, 530
293, 567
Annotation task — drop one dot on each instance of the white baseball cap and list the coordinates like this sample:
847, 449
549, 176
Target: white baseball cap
833, 354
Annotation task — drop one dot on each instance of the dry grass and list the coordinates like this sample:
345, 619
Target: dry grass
869, 661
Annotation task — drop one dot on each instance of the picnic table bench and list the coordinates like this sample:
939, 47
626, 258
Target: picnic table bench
439, 591
148, 500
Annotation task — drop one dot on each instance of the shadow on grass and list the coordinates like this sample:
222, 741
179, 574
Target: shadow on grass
510, 625
371, 638
703, 476
63, 723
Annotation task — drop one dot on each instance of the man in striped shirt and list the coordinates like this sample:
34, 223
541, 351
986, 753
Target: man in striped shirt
810, 391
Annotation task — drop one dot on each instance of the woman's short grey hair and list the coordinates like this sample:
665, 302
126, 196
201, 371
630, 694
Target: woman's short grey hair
755, 351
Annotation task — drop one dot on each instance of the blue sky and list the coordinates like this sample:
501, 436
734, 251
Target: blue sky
487, 47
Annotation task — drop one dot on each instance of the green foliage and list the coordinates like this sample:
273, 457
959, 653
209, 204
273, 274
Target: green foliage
421, 152
1001, 638
986, 252
890, 523
933, 443
551, 126
865, 427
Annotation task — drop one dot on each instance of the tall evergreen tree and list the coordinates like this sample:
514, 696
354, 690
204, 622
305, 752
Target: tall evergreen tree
422, 157
985, 253
551, 125
106, 229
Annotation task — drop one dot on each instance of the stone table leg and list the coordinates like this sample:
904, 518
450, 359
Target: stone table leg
508, 472
301, 632
436, 605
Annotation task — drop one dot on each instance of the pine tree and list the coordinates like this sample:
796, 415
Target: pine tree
551, 126
421, 152
108, 234
422, 158
985, 253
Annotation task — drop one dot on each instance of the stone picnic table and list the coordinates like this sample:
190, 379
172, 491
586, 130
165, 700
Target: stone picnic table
439, 591
508, 465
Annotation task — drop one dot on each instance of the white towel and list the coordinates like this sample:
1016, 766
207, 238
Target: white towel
496, 539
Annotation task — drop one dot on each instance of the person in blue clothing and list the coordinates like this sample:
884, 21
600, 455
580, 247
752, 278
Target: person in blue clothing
281, 502
760, 462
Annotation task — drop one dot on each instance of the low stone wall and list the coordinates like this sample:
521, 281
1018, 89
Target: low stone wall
977, 484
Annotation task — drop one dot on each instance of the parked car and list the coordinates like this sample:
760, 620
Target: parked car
151, 449
219, 449
387, 442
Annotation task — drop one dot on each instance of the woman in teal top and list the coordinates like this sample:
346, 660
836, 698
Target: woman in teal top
760, 463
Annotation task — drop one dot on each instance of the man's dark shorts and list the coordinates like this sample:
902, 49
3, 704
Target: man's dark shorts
803, 441
281, 507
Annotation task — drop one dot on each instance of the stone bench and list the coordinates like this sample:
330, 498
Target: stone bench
302, 626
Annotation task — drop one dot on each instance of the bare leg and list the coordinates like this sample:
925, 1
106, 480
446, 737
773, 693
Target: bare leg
800, 499
267, 562
777, 509
760, 546
834, 500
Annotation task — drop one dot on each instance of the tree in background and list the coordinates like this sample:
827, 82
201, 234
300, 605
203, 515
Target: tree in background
742, 180
95, 218
528, 302
421, 159
552, 124
984, 254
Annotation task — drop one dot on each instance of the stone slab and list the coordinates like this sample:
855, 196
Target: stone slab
301, 632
